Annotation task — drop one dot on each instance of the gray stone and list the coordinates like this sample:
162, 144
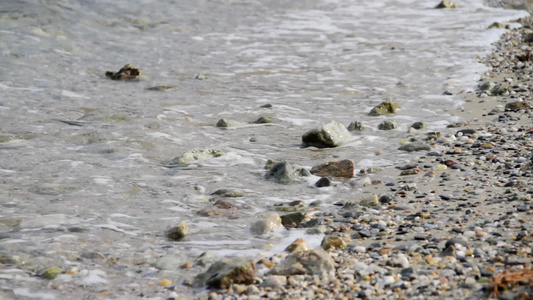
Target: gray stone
446, 4
388, 125
312, 262
329, 135
356, 126
194, 155
282, 172
169, 262
384, 108
264, 120
179, 232
227, 123
418, 125
293, 218
415, 146
226, 272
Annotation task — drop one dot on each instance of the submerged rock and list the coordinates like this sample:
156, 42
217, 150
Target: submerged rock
293, 219
230, 193
298, 245
282, 172
179, 232
418, 125
415, 146
161, 88
194, 155
312, 262
271, 223
128, 72
388, 125
227, 123
341, 168
446, 4
263, 120
356, 126
226, 272
384, 108
50, 273
329, 135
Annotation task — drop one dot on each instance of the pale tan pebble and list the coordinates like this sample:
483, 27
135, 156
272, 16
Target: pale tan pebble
481, 234
240, 288
431, 260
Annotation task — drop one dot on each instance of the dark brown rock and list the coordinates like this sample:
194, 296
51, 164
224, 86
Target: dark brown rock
341, 168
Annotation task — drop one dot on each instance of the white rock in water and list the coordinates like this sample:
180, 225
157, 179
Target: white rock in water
332, 134
270, 223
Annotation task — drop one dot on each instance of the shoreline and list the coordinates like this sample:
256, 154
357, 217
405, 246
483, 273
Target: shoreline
446, 232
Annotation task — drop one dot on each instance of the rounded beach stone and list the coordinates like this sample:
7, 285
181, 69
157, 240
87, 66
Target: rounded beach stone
388, 125
329, 135
268, 224
323, 182
384, 108
179, 232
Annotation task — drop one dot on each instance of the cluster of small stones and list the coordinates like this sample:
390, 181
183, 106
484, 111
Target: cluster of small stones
455, 217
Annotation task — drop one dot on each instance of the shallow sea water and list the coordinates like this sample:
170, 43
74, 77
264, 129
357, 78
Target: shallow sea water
97, 196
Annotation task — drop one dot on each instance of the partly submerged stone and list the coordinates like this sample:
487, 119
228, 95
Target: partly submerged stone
270, 223
226, 272
177, 233
356, 126
388, 125
264, 120
194, 155
230, 193
341, 168
311, 262
161, 88
282, 172
50, 273
329, 135
418, 125
298, 245
385, 108
128, 72
323, 182
227, 123
293, 219
446, 4
332, 241
415, 146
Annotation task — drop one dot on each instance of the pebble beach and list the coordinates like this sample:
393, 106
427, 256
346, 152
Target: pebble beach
209, 179
458, 227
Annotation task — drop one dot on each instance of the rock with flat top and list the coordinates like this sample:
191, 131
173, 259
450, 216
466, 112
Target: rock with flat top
329, 135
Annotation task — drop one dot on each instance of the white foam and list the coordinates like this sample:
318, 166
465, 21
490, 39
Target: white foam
25, 292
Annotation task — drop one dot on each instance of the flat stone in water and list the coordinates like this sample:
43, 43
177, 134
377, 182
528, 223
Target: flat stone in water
415, 146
